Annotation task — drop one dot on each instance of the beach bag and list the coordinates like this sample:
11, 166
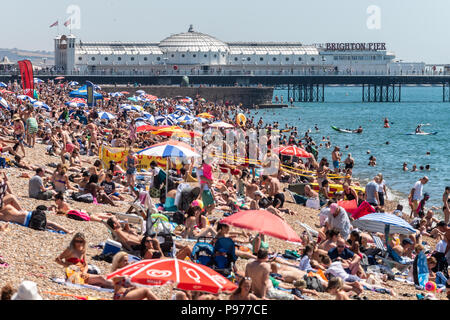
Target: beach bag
264, 203
38, 220
313, 283
158, 229
83, 197
154, 193
313, 203
73, 275
78, 215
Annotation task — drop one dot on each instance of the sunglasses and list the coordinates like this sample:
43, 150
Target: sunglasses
341, 246
79, 241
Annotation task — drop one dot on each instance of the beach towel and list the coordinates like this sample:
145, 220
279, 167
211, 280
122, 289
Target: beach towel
364, 209
420, 270
351, 206
80, 286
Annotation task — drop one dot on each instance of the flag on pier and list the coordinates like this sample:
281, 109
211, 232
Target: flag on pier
54, 24
68, 22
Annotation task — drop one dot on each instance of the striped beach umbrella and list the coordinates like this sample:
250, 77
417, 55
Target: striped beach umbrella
106, 116
42, 105
383, 222
183, 109
201, 120
116, 94
140, 92
37, 80
170, 149
3, 85
73, 84
4, 103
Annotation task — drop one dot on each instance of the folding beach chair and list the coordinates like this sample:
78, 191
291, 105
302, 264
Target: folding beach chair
389, 257
132, 219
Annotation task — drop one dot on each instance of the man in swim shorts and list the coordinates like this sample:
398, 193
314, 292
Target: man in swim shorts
336, 156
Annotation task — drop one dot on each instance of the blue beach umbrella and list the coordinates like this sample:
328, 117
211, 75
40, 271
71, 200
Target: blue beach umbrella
75, 104
185, 118
73, 83
40, 104
116, 94
4, 103
37, 80
183, 109
106, 116
3, 85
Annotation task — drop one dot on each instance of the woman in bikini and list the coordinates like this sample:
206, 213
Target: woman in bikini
60, 180
75, 256
150, 248
197, 225
19, 131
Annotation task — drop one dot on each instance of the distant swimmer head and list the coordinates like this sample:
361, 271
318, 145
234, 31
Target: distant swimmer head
368, 151
428, 153
387, 142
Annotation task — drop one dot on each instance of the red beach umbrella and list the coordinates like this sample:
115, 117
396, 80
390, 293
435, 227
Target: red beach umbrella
186, 275
264, 222
59, 78
293, 151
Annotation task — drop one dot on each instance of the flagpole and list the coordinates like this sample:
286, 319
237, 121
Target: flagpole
58, 26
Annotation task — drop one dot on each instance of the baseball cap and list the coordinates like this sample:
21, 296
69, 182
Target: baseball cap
407, 241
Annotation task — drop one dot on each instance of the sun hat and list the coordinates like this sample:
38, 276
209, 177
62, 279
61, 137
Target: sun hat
333, 208
27, 291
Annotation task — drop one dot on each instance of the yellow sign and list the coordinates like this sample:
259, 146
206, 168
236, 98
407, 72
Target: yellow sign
119, 156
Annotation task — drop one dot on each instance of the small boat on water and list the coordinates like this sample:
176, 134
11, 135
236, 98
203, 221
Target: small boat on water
422, 134
344, 130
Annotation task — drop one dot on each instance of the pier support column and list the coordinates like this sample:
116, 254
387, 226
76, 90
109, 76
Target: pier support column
381, 93
446, 92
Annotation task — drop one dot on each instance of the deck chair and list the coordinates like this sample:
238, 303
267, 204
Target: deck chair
389, 257
125, 246
203, 252
132, 219
224, 256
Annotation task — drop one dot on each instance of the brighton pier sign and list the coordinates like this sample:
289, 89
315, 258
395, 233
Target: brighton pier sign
371, 46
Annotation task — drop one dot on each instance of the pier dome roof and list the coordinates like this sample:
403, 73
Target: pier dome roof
192, 41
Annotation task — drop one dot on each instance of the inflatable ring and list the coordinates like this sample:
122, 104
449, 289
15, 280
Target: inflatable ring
241, 119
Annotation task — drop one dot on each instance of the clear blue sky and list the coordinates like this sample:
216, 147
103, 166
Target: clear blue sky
416, 30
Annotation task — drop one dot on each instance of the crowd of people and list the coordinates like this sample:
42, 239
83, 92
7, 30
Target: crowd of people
334, 256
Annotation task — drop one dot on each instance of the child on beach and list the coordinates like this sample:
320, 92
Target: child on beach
335, 287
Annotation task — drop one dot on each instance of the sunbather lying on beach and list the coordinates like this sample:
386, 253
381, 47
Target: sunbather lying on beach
62, 207
9, 213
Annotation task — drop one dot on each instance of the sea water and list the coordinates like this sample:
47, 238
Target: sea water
343, 108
